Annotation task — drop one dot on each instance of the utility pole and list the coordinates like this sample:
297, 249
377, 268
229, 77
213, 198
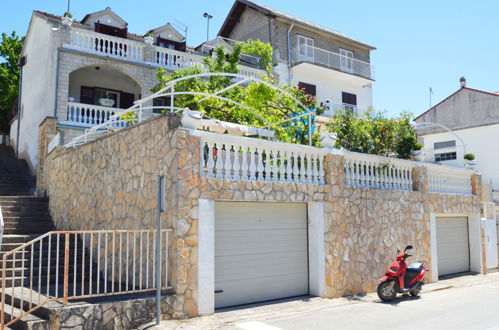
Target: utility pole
69, 3
431, 92
208, 17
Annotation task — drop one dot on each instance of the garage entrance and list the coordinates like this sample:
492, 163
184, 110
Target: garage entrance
453, 248
261, 252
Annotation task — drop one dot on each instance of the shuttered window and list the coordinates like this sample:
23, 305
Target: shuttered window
348, 98
87, 95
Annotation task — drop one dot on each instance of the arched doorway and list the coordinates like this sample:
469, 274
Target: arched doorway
97, 92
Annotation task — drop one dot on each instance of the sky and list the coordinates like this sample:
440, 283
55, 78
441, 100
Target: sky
420, 44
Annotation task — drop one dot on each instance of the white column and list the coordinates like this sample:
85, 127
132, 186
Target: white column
475, 237
206, 257
317, 268
433, 247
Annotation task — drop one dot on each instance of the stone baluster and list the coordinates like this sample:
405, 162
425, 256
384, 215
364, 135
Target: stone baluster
282, 166
236, 166
309, 169
219, 163
348, 172
289, 167
303, 171
362, 172
228, 162
211, 162
244, 161
275, 168
259, 167
315, 173
268, 169
296, 169
252, 167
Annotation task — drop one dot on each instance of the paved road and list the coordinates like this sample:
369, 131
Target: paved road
472, 307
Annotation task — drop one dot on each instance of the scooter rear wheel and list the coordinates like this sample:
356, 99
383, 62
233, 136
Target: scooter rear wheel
387, 290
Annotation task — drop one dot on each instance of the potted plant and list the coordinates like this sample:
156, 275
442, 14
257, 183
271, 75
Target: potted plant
417, 152
470, 161
106, 101
148, 39
328, 139
67, 19
191, 119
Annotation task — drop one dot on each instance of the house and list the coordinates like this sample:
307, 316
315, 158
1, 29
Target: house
82, 72
333, 67
471, 118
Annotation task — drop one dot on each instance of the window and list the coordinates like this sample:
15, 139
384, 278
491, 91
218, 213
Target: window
445, 156
305, 48
111, 30
310, 89
444, 144
346, 60
349, 102
91, 95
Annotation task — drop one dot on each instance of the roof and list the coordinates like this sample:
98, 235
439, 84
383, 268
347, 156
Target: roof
77, 22
239, 6
105, 11
448, 97
168, 27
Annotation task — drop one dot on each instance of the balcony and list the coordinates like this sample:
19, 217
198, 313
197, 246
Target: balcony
135, 50
314, 55
88, 115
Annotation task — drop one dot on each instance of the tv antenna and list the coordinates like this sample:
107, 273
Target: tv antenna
181, 26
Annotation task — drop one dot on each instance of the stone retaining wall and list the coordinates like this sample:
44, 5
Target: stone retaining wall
111, 184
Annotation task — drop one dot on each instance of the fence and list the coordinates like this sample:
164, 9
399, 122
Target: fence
67, 265
235, 157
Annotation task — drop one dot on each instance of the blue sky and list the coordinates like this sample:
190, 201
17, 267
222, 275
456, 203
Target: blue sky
419, 43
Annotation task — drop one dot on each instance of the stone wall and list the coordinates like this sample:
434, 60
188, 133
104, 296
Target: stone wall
111, 183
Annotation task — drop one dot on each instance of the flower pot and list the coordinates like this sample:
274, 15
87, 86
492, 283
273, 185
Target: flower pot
328, 139
149, 40
191, 119
470, 164
68, 21
418, 155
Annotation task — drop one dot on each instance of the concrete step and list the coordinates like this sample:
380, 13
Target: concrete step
28, 322
21, 200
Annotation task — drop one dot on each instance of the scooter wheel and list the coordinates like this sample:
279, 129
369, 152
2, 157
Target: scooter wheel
387, 290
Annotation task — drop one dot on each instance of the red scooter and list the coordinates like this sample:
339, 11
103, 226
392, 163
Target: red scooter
401, 278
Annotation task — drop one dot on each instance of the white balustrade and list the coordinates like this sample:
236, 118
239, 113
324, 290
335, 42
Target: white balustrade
88, 115
450, 180
106, 44
174, 59
307, 53
243, 158
370, 171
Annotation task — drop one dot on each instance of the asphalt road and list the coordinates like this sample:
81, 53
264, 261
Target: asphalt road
471, 307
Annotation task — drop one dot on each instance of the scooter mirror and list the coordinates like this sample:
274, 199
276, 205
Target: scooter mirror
408, 247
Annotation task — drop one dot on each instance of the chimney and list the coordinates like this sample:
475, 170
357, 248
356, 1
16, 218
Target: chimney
462, 81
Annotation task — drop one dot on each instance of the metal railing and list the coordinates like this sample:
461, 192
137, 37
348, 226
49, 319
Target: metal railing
65, 265
310, 54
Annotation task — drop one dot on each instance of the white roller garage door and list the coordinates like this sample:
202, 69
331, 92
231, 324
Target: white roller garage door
261, 252
453, 245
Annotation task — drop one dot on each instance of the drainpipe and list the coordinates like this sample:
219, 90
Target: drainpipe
57, 81
22, 62
289, 52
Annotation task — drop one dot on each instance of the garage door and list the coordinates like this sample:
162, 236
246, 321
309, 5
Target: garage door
452, 245
260, 252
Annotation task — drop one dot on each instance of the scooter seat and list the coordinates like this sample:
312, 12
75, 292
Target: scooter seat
415, 267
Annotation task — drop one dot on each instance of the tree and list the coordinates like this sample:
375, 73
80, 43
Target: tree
266, 105
374, 133
10, 49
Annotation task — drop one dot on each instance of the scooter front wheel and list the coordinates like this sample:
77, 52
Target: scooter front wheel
387, 290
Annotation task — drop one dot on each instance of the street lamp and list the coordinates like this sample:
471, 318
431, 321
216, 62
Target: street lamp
208, 17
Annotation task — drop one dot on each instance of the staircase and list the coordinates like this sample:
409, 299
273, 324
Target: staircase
25, 218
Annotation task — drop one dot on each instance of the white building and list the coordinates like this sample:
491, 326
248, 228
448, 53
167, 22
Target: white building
82, 72
473, 118
330, 65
